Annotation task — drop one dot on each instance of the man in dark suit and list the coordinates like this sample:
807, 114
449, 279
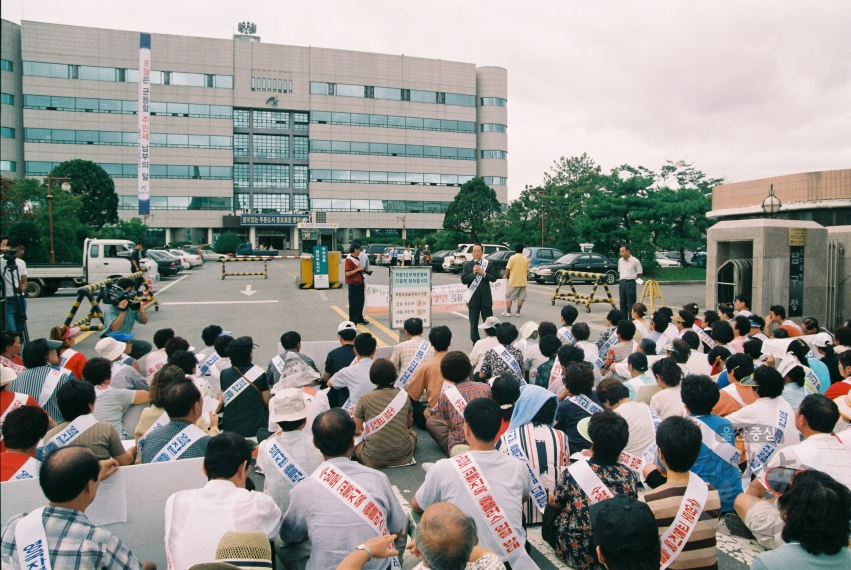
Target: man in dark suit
481, 302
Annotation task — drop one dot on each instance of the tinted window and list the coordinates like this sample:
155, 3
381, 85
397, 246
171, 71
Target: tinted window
545, 253
569, 258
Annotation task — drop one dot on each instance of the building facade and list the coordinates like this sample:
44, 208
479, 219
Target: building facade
243, 133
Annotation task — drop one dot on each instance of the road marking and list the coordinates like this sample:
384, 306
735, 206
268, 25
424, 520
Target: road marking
361, 328
292, 274
82, 336
170, 284
248, 291
216, 302
373, 321
322, 295
386, 331
406, 506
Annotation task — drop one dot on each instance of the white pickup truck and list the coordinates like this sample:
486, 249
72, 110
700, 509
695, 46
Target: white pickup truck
102, 259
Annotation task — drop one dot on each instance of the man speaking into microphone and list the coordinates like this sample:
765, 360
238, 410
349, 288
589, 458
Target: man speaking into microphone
478, 275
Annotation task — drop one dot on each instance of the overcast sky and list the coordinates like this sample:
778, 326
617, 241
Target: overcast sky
743, 90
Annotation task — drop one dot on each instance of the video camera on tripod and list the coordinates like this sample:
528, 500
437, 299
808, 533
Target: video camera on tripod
112, 294
10, 257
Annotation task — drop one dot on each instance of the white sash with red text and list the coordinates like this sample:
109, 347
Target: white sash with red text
455, 398
382, 419
50, 381
31, 542
9, 364
589, 482
480, 493
18, 400
556, 385
676, 536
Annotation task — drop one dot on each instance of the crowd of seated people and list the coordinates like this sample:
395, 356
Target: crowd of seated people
628, 452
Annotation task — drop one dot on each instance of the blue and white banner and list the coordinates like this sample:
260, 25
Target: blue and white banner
144, 123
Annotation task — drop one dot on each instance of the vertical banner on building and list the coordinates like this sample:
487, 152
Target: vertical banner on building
144, 123
320, 266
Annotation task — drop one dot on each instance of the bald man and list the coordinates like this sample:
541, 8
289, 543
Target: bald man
446, 535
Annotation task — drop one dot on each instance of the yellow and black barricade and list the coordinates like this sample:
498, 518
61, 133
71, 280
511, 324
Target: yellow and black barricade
653, 291
563, 278
148, 299
264, 273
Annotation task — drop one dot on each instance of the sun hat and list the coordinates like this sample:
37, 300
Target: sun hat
246, 550
289, 405
7, 375
529, 330
71, 332
110, 348
582, 427
489, 323
844, 404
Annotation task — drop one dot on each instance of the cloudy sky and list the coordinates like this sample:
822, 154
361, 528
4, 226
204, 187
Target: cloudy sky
743, 90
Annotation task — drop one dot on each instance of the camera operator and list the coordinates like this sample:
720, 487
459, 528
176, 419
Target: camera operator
122, 317
14, 284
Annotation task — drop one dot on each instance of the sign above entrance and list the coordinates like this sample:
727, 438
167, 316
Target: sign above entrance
318, 226
272, 219
797, 237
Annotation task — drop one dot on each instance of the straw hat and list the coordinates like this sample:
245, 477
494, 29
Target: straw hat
246, 550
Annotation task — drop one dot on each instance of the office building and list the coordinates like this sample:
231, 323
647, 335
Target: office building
253, 137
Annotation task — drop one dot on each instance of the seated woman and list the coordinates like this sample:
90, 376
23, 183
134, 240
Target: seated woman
69, 358
390, 441
76, 401
543, 446
111, 401
669, 401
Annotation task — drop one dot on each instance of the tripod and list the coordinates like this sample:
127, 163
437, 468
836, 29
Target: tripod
11, 267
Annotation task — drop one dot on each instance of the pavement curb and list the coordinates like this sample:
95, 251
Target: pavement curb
681, 282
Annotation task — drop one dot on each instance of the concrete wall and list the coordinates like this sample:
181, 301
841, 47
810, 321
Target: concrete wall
11, 116
842, 235
803, 187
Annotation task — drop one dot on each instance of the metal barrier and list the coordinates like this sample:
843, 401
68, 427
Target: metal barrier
563, 277
96, 312
264, 273
651, 289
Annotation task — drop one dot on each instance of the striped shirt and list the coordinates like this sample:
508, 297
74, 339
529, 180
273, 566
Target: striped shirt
31, 381
547, 452
699, 552
73, 542
159, 438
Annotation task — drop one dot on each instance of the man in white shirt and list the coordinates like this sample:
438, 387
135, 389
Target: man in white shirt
477, 355
629, 269
820, 450
613, 394
196, 519
355, 377
498, 481
318, 509
14, 285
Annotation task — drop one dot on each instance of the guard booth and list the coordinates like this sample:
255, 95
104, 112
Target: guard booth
735, 277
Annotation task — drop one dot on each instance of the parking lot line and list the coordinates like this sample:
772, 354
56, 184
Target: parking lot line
170, 284
361, 328
216, 302
387, 331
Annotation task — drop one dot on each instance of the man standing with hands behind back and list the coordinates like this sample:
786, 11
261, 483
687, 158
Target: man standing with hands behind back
477, 275
629, 269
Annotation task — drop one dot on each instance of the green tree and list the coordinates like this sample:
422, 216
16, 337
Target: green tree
133, 230
29, 232
93, 184
227, 243
472, 210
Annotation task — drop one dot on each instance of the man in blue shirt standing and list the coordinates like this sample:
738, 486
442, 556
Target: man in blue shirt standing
718, 461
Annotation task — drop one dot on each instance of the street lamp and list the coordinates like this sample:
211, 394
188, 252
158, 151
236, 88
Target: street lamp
771, 205
404, 232
66, 186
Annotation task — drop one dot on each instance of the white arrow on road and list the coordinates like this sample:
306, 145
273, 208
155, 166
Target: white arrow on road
248, 291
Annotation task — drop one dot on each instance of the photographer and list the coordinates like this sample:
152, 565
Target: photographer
14, 284
355, 281
122, 316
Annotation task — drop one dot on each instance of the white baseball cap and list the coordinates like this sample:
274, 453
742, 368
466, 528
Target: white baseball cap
7, 375
289, 405
789, 362
822, 340
347, 325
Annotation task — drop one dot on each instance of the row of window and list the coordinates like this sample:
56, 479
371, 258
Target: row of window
269, 176
269, 146
7, 133
495, 154
385, 149
118, 170
8, 165
119, 106
495, 180
272, 203
391, 94
125, 75
493, 102
177, 203
118, 138
271, 85
246, 118
6, 65
7, 99
493, 128
391, 122
400, 206
373, 177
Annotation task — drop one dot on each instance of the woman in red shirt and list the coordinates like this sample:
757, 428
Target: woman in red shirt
12, 400
841, 388
10, 351
69, 358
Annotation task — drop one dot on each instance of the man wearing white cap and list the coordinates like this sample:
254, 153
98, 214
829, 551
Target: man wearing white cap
485, 344
289, 455
344, 354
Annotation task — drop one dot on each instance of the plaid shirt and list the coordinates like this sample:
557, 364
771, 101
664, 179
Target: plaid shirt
445, 410
31, 381
404, 352
73, 541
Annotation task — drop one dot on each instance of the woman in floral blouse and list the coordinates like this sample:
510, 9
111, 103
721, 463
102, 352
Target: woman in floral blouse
609, 434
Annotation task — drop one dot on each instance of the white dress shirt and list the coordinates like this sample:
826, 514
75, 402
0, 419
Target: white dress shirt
833, 456
196, 520
299, 446
355, 377
629, 268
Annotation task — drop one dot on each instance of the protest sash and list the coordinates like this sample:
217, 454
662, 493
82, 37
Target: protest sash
66, 356
9, 364
675, 537
636, 383
538, 493
161, 421
154, 362
31, 542
589, 482
717, 444
205, 368
761, 337
564, 332
18, 400
758, 459
704, 338
810, 375
482, 496
585, 403
556, 384
330, 477
610, 342
50, 381
455, 398
393, 408
240, 385
179, 444
468, 294
71, 432
506, 357
415, 362
286, 465
350, 408
731, 391
29, 470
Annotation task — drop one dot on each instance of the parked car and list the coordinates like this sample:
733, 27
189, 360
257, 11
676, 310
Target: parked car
584, 262
383, 258
193, 259
464, 253
373, 250
438, 258
167, 264
181, 257
699, 260
664, 261
535, 255
210, 255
